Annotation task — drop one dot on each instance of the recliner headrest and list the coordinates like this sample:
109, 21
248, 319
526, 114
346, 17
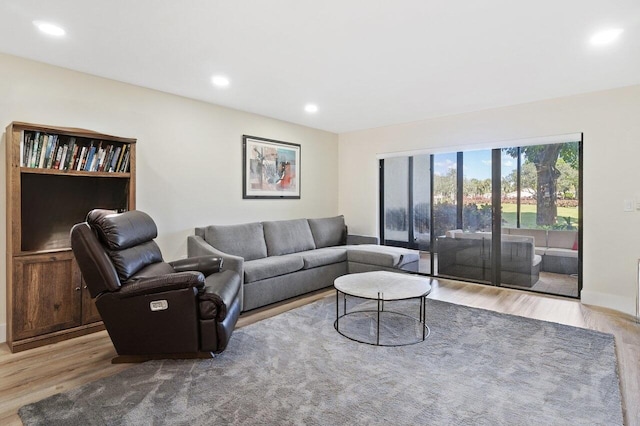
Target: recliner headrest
120, 231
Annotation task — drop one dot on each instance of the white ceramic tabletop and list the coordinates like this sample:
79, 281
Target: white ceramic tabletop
390, 285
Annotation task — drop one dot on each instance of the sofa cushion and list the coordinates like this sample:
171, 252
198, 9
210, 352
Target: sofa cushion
539, 235
561, 252
245, 240
273, 266
386, 256
327, 232
562, 239
322, 257
287, 236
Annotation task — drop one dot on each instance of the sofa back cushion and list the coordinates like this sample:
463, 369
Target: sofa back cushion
245, 240
539, 235
562, 239
288, 236
329, 231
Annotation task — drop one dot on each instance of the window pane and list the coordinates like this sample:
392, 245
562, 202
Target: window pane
396, 199
476, 187
422, 201
444, 192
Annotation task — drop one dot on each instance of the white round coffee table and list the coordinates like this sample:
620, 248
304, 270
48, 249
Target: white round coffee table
382, 286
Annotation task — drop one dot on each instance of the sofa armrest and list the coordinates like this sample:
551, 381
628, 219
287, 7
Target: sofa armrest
353, 239
205, 264
197, 246
161, 283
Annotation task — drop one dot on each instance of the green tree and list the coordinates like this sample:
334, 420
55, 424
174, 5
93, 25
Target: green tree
568, 179
445, 185
545, 158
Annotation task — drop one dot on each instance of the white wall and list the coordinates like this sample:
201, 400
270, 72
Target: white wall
611, 125
189, 153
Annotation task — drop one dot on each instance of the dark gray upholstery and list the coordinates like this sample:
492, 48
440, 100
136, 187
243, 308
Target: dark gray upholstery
245, 240
388, 257
287, 236
272, 266
328, 232
322, 257
303, 255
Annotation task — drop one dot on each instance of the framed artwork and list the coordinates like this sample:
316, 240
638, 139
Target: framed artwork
270, 169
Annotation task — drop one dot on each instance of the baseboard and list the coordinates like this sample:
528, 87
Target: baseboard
3, 333
625, 305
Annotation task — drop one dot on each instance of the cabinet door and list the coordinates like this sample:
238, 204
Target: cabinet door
89, 311
47, 294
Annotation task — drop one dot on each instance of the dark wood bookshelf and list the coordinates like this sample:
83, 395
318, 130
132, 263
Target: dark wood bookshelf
46, 297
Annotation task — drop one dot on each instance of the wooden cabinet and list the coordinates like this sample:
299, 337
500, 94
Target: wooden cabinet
55, 176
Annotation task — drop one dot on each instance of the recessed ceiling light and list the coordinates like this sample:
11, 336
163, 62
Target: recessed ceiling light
311, 108
605, 37
49, 28
220, 81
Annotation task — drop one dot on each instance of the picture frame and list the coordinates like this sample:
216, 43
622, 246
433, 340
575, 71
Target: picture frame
270, 169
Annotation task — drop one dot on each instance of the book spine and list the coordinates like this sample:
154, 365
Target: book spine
121, 160
82, 159
54, 152
92, 151
125, 163
61, 150
22, 147
34, 150
100, 161
74, 158
42, 150
47, 152
65, 164
114, 161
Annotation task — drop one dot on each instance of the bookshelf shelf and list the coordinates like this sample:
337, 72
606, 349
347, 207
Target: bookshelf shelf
74, 173
55, 175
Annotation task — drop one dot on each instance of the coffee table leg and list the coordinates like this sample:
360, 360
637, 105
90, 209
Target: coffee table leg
337, 309
423, 309
380, 302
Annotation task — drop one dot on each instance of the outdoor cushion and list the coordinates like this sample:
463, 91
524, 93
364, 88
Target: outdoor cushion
327, 232
245, 240
322, 257
539, 235
562, 239
288, 236
561, 252
273, 266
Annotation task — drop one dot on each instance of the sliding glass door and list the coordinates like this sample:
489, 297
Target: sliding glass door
506, 216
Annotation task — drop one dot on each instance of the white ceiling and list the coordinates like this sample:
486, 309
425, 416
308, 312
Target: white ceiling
365, 63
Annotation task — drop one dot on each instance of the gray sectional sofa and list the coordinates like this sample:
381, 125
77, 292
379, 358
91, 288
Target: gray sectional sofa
282, 259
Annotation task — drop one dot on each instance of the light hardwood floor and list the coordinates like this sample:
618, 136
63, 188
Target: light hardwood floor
32, 375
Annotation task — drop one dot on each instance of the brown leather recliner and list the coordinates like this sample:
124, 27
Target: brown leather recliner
150, 308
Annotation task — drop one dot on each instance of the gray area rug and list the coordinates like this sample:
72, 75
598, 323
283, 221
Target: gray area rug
476, 368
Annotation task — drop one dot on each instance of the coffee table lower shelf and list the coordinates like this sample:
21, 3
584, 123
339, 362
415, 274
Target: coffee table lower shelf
381, 312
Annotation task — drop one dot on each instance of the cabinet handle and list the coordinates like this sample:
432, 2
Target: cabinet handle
85, 287
77, 288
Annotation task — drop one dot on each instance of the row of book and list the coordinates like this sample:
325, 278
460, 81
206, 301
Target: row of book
50, 151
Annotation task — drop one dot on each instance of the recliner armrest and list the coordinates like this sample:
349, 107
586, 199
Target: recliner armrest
161, 283
205, 264
218, 295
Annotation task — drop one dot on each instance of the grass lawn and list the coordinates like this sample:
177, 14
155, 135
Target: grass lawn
528, 215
